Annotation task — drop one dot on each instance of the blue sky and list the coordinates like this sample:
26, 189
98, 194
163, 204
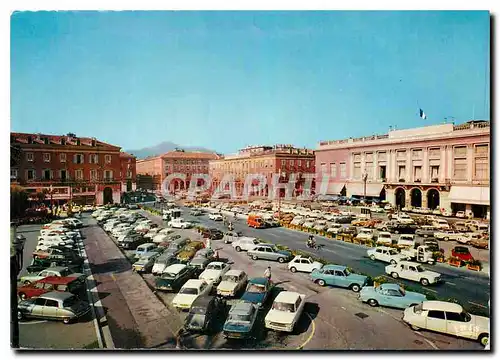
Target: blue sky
224, 80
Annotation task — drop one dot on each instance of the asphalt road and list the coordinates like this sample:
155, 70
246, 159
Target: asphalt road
471, 289
333, 319
42, 334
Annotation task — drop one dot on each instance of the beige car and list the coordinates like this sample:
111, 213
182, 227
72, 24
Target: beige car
54, 305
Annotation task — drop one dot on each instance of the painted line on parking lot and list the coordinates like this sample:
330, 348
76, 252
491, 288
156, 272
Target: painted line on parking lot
33, 322
427, 340
450, 283
434, 291
480, 305
311, 335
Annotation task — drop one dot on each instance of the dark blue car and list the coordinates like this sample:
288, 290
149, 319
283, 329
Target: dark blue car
257, 291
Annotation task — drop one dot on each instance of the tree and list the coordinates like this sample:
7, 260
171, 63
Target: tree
18, 201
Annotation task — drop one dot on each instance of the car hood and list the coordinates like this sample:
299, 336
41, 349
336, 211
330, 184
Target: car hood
184, 299
357, 277
415, 296
430, 274
482, 322
80, 306
210, 274
256, 298
227, 286
280, 316
236, 326
284, 252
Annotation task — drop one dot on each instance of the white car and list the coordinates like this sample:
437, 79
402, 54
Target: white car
110, 224
308, 224
303, 264
72, 222
406, 240
441, 224
467, 238
404, 218
190, 292
215, 217
232, 282
412, 271
179, 224
214, 271
285, 311
245, 244
384, 238
152, 233
365, 234
385, 254
298, 220
320, 225
448, 318
159, 238
121, 231
447, 213
165, 231
56, 238
460, 214
334, 228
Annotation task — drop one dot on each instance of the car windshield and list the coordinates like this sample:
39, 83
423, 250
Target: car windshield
347, 272
168, 275
72, 300
197, 320
461, 250
230, 278
420, 269
189, 291
65, 272
239, 318
256, 288
214, 267
198, 310
281, 306
393, 252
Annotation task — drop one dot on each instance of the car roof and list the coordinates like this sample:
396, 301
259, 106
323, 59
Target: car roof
196, 283
57, 268
390, 286
258, 280
57, 295
384, 247
146, 245
57, 280
289, 297
384, 233
334, 267
235, 272
216, 263
241, 308
441, 306
175, 268
413, 263
202, 301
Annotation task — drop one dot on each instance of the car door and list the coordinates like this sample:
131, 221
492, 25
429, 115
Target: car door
268, 253
413, 273
436, 321
50, 309
37, 309
305, 265
383, 255
340, 279
457, 324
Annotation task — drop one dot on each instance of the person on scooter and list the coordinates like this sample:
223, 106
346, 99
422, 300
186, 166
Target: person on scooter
311, 242
230, 226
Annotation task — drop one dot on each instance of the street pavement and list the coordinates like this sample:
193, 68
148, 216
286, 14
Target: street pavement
470, 288
42, 334
334, 318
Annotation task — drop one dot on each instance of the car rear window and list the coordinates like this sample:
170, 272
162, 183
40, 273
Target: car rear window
72, 300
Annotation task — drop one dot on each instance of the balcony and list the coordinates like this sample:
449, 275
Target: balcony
418, 180
434, 180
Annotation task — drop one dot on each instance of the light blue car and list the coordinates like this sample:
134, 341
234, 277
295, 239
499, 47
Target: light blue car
390, 295
338, 275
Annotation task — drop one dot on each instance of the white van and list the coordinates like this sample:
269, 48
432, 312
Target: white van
406, 240
144, 248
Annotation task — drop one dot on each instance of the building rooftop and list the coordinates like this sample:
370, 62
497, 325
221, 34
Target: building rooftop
66, 140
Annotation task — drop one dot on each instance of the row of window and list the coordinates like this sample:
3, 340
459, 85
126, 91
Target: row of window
175, 168
63, 175
186, 162
333, 170
285, 163
77, 158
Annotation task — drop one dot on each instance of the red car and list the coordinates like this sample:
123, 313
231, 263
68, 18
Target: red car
462, 253
48, 284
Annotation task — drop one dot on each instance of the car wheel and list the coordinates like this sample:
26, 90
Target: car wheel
281, 260
20, 315
372, 302
355, 287
372, 257
484, 339
66, 320
413, 327
293, 269
446, 239
238, 249
254, 257
394, 275
393, 262
321, 282
22, 296
425, 236
396, 231
424, 282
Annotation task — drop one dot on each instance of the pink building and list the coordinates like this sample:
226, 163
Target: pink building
440, 166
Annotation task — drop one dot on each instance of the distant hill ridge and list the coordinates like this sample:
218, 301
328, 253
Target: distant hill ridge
162, 148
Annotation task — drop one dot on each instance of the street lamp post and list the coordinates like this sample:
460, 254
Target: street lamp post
279, 196
365, 178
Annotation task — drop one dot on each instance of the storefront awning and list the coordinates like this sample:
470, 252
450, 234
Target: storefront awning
478, 195
335, 188
359, 189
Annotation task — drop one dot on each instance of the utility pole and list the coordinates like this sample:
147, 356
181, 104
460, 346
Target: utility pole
279, 197
365, 178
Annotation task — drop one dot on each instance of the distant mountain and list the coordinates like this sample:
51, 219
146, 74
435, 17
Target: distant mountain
162, 148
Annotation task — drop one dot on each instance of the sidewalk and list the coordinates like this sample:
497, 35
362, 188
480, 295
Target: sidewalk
136, 317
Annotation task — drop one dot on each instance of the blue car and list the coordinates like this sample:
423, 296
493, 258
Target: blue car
258, 291
240, 320
338, 275
390, 295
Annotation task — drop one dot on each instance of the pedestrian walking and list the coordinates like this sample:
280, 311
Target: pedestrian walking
216, 255
267, 273
208, 244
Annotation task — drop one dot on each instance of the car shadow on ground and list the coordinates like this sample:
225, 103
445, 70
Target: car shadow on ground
111, 266
310, 312
124, 338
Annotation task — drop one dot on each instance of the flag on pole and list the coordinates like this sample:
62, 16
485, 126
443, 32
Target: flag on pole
422, 114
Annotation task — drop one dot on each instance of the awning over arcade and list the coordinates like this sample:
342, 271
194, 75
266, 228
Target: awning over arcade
335, 188
359, 189
477, 195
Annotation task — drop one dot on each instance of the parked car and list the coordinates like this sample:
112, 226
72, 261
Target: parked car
245, 243
37, 265
384, 238
441, 224
145, 263
179, 223
174, 277
212, 234
285, 311
480, 243
232, 283
131, 241
162, 262
258, 291
195, 213
51, 283
385, 254
303, 264
462, 253
390, 295
460, 214
214, 271
53, 306
189, 292
59, 271
365, 234
406, 240
215, 217
204, 313
188, 251
269, 252
448, 318
412, 271
144, 248
240, 320
425, 231
338, 275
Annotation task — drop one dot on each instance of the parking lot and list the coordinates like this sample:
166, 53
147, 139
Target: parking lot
43, 334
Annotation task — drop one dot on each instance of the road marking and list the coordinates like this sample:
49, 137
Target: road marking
33, 322
312, 333
473, 303
450, 283
434, 291
427, 340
